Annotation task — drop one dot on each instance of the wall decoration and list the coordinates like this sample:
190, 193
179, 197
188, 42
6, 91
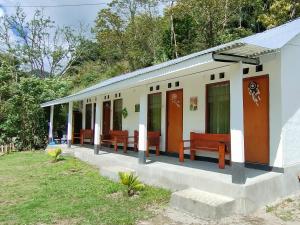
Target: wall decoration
254, 92
124, 112
193, 103
137, 107
175, 100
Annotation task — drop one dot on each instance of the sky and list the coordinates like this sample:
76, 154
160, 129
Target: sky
63, 16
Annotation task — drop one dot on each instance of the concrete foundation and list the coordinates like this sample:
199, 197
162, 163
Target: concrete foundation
260, 187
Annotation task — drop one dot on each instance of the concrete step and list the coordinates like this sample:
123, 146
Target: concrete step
112, 172
202, 204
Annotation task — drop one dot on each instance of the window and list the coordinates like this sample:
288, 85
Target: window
154, 112
117, 115
88, 116
218, 108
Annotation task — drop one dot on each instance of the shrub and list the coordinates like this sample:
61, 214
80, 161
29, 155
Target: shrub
55, 154
131, 182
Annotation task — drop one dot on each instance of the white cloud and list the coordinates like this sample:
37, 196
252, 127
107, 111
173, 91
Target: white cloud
63, 16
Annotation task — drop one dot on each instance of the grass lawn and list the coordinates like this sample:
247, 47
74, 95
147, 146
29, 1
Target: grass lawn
35, 191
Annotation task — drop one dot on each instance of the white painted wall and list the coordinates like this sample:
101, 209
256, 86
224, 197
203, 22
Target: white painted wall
290, 84
194, 84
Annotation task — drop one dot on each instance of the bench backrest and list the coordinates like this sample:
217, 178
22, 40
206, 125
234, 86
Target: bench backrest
209, 141
152, 136
87, 133
118, 133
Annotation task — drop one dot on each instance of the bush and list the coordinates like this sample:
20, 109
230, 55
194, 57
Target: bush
131, 182
55, 154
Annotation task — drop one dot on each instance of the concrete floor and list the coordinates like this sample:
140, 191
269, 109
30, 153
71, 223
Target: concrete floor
162, 162
261, 187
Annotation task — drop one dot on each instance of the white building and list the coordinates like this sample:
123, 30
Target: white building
248, 88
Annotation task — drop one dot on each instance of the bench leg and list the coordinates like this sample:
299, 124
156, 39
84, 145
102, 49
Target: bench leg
116, 147
222, 156
125, 148
181, 152
147, 150
193, 154
157, 150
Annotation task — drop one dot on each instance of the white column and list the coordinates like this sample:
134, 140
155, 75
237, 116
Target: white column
70, 124
143, 127
97, 125
93, 117
237, 123
83, 114
51, 124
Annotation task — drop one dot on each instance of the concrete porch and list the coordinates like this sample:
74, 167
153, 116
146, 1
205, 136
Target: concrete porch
197, 185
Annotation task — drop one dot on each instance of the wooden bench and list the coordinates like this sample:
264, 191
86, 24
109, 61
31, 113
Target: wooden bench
86, 134
114, 138
153, 139
207, 142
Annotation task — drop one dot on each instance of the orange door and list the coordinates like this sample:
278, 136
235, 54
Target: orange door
256, 119
106, 118
174, 120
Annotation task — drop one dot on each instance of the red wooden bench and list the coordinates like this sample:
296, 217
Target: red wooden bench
114, 138
153, 139
86, 134
207, 142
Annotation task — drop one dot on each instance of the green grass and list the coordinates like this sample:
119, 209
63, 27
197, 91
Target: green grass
35, 191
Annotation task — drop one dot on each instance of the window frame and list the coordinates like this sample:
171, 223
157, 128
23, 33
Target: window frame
148, 109
88, 115
206, 102
114, 112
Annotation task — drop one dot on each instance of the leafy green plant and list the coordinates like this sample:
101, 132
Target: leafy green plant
124, 112
131, 182
55, 154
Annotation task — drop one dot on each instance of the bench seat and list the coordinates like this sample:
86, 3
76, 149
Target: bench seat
114, 138
219, 143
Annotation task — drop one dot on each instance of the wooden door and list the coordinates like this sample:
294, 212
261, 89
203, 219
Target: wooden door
256, 119
106, 117
174, 120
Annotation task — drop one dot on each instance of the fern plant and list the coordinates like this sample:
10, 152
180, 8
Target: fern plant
55, 154
131, 182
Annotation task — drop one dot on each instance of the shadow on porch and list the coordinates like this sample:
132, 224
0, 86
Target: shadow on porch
168, 167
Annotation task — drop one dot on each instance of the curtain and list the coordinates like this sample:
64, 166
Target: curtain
218, 102
154, 112
88, 116
117, 115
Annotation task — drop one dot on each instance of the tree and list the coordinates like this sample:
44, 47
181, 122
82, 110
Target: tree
42, 48
278, 12
129, 32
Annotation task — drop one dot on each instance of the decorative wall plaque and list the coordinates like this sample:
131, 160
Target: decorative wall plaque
254, 92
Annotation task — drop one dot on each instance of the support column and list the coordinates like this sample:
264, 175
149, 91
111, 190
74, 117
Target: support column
97, 126
70, 123
50, 137
83, 114
143, 127
93, 117
237, 124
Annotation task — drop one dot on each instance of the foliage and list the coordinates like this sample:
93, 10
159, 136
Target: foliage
131, 182
71, 192
280, 11
37, 43
21, 116
55, 154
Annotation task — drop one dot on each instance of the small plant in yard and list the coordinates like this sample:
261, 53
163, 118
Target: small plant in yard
55, 154
131, 182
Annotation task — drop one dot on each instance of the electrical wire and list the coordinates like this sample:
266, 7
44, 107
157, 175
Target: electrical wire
53, 6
